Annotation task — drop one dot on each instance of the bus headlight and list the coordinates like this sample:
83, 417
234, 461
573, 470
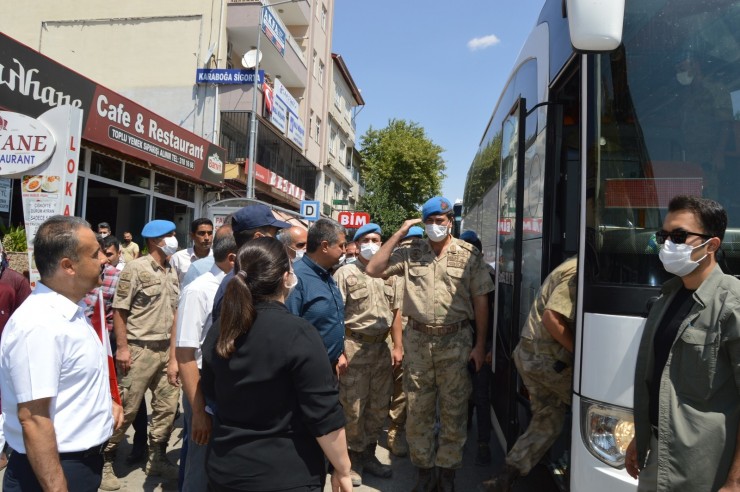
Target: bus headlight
606, 431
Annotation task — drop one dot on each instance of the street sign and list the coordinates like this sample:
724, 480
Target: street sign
353, 219
310, 210
340, 202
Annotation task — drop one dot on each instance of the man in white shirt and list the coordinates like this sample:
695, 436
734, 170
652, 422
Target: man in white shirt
54, 369
193, 323
201, 233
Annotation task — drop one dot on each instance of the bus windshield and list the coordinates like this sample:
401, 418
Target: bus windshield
667, 123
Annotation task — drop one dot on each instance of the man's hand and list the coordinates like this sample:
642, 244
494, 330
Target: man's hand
123, 359
477, 355
408, 224
396, 356
630, 459
173, 372
731, 487
489, 357
201, 427
342, 365
341, 482
117, 416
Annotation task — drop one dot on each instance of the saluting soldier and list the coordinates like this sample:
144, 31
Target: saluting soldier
446, 286
365, 389
145, 309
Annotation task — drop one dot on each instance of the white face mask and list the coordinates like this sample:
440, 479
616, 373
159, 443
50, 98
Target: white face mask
676, 258
293, 279
437, 232
367, 250
298, 254
344, 260
104, 234
170, 246
684, 78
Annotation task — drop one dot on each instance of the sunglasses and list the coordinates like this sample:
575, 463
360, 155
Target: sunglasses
678, 236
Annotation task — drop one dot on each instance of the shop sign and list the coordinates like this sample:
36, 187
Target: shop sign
279, 115
296, 132
6, 194
25, 143
51, 189
227, 76
274, 30
282, 184
286, 97
353, 219
31, 84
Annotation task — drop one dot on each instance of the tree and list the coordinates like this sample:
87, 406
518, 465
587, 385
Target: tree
402, 169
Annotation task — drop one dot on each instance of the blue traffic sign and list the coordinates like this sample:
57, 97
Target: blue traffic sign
310, 209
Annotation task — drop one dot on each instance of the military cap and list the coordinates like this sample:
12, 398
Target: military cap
158, 228
253, 217
469, 236
414, 231
367, 229
438, 205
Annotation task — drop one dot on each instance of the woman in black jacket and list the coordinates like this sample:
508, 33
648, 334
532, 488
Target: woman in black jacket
266, 372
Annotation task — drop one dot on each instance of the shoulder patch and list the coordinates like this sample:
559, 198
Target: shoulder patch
125, 276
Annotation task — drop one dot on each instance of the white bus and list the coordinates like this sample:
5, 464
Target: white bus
581, 156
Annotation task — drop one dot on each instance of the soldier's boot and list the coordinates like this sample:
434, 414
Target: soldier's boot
500, 482
397, 444
374, 466
109, 480
426, 480
158, 464
356, 460
446, 481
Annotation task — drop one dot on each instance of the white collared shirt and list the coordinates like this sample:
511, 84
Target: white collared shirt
50, 350
194, 311
181, 261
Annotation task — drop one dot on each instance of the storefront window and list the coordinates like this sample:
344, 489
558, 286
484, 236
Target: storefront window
106, 167
137, 176
185, 191
164, 184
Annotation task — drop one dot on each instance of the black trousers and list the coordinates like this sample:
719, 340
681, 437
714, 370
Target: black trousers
82, 470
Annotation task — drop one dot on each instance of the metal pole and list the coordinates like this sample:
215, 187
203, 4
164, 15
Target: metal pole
253, 117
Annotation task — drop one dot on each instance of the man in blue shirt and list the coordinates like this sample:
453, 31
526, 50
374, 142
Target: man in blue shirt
316, 297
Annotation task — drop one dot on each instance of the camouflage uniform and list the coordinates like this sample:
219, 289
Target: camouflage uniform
536, 357
365, 389
437, 341
149, 293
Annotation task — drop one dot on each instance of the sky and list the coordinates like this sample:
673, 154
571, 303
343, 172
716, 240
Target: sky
441, 64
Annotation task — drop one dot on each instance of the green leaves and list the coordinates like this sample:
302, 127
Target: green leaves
402, 169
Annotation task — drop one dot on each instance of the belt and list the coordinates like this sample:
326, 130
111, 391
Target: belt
437, 330
150, 344
361, 337
76, 455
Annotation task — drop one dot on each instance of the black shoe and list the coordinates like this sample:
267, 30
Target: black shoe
139, 453
483, 456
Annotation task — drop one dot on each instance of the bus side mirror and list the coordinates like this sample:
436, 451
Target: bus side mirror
595, 25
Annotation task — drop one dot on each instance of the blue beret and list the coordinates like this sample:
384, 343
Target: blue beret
255, 216
157, 228
414, 231
469, 236
438, 205
367, 229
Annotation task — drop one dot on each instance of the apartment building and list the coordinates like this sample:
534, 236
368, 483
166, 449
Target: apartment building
153, 52
341, 175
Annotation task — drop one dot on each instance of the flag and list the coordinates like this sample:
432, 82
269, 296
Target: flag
267, 91
98, 322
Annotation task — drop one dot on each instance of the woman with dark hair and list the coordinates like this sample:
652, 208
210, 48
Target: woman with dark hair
266, 371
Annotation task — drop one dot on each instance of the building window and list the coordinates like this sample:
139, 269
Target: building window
333, 142
310, 124
317, 129
324, 14
342, 152
315, 64
321, 73
337, 98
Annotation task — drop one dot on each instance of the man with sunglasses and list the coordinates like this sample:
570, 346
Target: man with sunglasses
687, 377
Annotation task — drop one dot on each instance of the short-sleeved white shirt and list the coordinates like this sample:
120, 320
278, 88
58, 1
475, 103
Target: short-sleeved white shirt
194, 311
50, 350
181, 261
